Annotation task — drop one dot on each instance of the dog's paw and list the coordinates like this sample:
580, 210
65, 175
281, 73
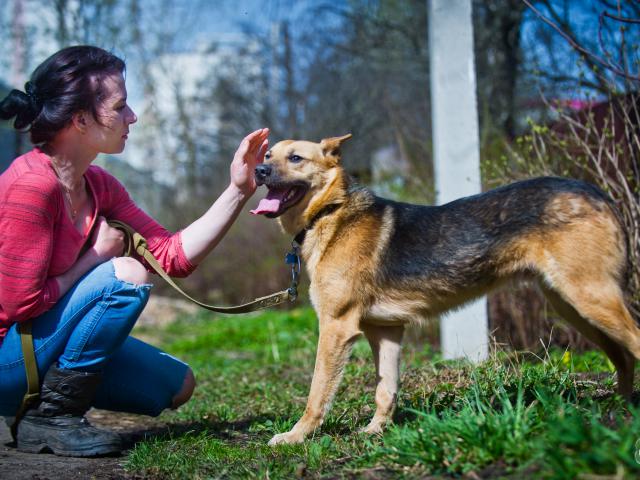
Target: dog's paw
286, 438
374, 428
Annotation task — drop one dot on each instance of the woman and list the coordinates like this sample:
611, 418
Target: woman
61, 264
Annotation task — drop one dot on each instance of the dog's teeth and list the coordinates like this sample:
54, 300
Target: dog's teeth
290, 195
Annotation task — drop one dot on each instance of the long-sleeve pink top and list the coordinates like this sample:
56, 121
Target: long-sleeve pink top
39, 242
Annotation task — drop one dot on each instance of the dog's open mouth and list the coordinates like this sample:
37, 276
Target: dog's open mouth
279, 199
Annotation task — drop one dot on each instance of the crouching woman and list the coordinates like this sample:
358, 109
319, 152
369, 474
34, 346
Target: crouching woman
61, 264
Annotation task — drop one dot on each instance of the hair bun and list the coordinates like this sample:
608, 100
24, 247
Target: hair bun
25, 107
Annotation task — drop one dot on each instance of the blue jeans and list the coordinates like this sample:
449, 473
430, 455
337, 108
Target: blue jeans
88, 329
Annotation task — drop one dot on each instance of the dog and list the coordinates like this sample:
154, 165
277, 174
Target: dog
376, 265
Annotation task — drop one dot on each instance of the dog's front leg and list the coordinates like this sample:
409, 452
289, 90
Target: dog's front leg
336, 339
385, 344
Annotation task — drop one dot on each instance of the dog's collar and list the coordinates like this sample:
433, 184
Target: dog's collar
299, 238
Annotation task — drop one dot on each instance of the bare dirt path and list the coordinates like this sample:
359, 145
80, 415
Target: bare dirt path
15, 465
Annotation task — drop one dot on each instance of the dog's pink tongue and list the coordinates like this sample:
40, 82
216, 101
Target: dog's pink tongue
271, 203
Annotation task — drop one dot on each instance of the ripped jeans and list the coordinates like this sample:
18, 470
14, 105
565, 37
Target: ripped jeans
88, 329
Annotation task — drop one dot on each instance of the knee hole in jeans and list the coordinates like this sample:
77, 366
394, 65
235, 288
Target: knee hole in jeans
186, 391
130, 270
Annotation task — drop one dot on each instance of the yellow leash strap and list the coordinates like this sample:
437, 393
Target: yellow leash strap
137, 243
30, 365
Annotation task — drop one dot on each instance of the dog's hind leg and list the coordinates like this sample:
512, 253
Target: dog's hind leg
334, 346
583, 261
620, 355
385, 344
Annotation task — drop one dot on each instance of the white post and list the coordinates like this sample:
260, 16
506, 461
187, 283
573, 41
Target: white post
456, 149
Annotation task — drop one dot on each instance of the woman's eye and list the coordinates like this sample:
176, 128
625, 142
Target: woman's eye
295, 158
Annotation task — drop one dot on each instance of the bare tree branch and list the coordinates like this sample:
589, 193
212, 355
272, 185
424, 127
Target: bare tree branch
584, 51
621, 19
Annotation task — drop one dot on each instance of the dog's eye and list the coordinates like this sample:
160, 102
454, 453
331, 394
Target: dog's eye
267, 155
295, 158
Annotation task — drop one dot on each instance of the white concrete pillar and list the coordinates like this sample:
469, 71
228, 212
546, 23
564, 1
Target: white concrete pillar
456, 149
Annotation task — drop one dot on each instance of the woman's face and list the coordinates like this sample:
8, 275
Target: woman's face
110, 134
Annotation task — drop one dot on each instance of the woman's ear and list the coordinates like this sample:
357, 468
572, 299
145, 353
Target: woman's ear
79, 121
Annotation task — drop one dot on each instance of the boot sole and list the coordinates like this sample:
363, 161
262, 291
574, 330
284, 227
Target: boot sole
99, 451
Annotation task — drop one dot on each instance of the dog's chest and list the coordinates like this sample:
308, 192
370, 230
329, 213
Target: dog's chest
389, 311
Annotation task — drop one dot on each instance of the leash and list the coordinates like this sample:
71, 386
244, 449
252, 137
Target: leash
137, 243
33, 383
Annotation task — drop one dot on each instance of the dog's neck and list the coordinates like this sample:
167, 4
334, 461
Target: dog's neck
330, 200
327, 210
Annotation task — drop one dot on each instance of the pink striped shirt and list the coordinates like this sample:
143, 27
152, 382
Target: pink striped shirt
38, 241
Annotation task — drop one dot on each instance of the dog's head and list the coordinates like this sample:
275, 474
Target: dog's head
302, 178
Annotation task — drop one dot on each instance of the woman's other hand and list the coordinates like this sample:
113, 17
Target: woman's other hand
108, 242
250, 153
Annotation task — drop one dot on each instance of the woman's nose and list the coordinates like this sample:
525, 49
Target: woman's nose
133, 118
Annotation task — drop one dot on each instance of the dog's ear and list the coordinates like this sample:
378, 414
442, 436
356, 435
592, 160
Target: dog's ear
331, 146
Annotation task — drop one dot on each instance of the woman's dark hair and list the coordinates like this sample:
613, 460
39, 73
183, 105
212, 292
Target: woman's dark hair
67, 82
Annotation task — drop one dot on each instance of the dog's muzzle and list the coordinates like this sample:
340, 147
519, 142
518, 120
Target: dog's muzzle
262, 171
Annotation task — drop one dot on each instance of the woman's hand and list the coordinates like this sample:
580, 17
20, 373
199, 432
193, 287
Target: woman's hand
108, 242
250, 153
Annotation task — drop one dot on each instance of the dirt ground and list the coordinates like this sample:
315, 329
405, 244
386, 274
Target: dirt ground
15, 465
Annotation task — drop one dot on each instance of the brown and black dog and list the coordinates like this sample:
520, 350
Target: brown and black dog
376, 265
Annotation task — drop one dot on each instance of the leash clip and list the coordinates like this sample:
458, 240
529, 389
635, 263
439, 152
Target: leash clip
293, 258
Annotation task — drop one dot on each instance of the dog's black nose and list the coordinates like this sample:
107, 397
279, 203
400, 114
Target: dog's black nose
262, 171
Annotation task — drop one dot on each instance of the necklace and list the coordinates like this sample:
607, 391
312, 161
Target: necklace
67, 192
74, 211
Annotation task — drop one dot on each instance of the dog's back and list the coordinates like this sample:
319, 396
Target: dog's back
467, 240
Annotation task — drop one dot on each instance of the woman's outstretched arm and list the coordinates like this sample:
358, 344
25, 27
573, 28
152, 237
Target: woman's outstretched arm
199, 238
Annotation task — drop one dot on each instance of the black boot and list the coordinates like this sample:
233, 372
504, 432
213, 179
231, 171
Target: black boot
58, 423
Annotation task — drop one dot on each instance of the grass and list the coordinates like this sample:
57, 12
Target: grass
510, 417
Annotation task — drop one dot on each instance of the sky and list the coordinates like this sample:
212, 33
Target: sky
227, 17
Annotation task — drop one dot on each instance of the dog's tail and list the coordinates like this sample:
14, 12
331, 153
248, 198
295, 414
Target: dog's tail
632, 300
626, 281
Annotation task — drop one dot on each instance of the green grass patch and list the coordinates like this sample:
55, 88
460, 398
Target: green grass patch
523, 416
